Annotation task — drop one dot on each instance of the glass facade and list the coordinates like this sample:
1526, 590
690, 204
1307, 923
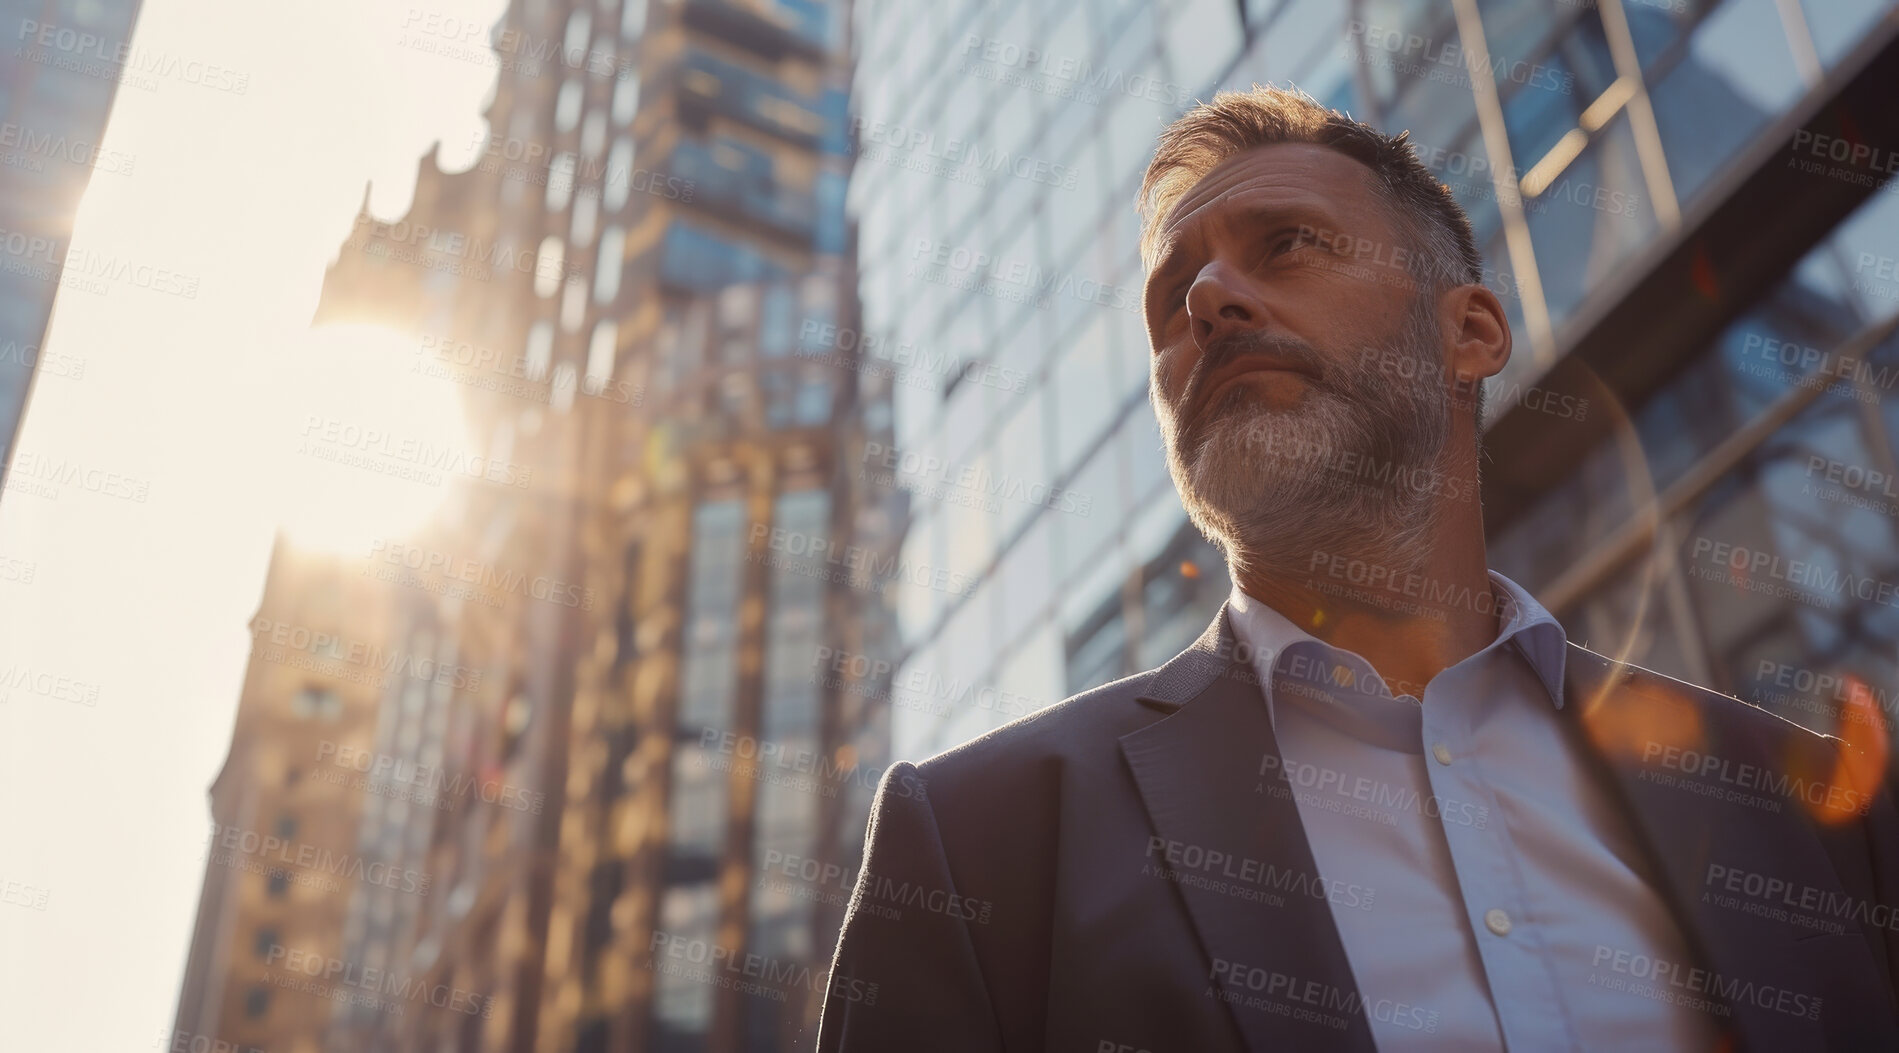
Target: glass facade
995, 194
53, 106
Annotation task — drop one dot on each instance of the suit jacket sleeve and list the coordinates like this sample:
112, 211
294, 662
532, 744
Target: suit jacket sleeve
905, 974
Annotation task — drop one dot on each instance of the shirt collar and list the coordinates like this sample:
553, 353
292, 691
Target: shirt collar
1526, 625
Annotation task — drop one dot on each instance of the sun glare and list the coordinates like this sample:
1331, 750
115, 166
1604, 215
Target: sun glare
372, 444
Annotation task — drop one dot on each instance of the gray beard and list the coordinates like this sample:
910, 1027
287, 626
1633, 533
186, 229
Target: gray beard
1349, 470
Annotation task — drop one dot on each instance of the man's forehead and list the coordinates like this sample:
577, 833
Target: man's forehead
1277, 172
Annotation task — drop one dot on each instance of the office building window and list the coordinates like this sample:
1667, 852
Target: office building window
593, 136
560, 180
586, 215
600, 353
256, 1001
549, 265
626, 97
316, 703
696, 258
633, 19
775, 321
540, 349
567, 104
709, 676
573, 306
682, 1001
618, 180
579, 28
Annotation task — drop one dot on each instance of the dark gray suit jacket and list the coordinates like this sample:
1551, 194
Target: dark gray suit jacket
1017, 892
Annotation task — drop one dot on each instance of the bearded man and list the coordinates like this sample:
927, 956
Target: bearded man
1383, 802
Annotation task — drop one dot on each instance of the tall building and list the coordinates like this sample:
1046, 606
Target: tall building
279, 862
1685, 205
66, 66
663, 572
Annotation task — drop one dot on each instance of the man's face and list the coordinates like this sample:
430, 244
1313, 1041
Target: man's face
1297, 367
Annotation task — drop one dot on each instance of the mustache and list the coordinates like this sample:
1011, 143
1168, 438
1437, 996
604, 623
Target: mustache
1245, 342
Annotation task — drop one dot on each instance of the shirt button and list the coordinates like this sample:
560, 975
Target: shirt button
1442, 753
1497, 921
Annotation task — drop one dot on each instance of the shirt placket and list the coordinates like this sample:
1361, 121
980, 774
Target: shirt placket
1492, 885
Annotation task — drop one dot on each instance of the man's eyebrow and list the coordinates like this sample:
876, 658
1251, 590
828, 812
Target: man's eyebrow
1309, 212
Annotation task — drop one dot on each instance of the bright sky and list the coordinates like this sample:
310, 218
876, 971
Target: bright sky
198, 400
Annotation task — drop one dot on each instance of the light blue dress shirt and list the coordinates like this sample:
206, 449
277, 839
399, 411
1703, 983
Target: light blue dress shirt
1507, 880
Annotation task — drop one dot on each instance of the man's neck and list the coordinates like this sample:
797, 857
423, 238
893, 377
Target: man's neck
1410, 625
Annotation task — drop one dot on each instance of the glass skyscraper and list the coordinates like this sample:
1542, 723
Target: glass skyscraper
1685, 205
65, 68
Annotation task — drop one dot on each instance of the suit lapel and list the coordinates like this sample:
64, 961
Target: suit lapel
1631, 719
1258, 906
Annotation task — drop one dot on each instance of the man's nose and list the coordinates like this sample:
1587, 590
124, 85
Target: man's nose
1219, 303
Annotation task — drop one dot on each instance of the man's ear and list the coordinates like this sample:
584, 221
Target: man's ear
1478, 334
